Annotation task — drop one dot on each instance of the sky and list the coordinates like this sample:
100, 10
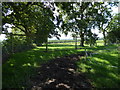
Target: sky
63, 36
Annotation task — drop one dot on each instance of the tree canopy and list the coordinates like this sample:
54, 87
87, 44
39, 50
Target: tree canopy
81, 17
40, 20
32, 18
114, 29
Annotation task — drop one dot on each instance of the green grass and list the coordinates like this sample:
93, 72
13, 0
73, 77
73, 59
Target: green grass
21, 66
102, 68
71, 40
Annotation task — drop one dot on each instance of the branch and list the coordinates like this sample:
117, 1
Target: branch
108, 23
20, 28
14, 34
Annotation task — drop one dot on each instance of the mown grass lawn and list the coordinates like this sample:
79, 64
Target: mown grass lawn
21, 66
103, 65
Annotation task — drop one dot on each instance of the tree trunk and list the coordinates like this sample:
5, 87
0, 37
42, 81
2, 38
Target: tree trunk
12, 49
82, 39
29, 40
47, 45
104, 36
81, 33
28, 36
38, 44
76, 42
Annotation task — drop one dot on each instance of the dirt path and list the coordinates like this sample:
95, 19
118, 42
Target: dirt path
60, 73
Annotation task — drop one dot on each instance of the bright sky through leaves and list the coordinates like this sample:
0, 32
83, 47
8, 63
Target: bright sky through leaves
115, 10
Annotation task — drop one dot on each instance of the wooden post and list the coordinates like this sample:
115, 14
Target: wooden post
11, 37
85, 50
75, 41
47, 45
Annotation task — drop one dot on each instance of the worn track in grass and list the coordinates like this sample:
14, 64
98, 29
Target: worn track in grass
60, 73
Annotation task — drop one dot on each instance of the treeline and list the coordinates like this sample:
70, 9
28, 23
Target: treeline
33, 23
13, 45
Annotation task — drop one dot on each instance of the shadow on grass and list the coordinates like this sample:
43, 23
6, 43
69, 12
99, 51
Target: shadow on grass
102, 69
60, 45
60, 73
102, 47
102, 76
112, 60
18, 70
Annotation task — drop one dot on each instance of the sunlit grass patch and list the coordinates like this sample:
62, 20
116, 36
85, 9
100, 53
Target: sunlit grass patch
101, 60
100, 42
21, 66
102, 67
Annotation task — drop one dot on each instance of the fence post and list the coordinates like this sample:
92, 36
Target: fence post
11, 37
75, 41
47, 45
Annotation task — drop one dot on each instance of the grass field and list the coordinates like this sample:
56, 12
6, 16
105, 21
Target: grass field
101, 67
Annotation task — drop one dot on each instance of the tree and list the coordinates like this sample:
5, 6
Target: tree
114, 29
78, 17
84, 16
91, 38
19, 17
27, 16
104, 17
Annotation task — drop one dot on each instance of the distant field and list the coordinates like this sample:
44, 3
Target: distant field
99, 42
101, 67
61, 41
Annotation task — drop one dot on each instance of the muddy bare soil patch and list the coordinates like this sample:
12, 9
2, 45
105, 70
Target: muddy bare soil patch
60, 73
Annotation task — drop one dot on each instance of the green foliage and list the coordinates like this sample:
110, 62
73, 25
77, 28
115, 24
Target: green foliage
12, 45
114, 29
73, 17
91, 38
34, 19
113, 36
78, 17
